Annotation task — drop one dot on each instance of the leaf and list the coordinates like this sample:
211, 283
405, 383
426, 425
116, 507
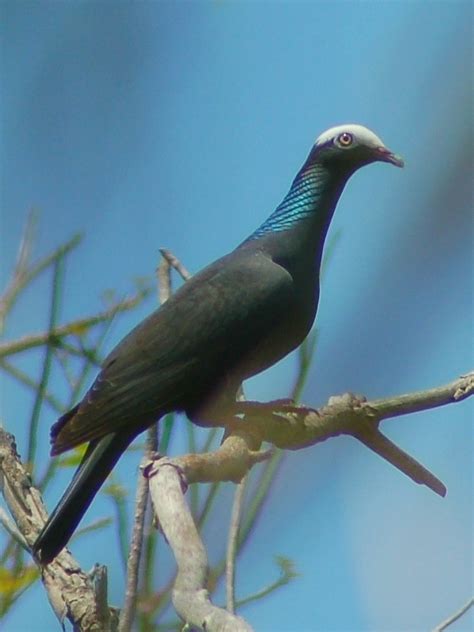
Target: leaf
287, 567
116, 491
74, 458
11, 582
79, 328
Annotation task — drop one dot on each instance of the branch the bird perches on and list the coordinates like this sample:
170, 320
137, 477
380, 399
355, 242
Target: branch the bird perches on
230, 462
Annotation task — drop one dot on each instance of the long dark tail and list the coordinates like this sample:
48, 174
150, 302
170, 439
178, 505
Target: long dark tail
97, 463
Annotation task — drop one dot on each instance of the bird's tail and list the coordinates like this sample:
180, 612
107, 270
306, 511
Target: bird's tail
97, 463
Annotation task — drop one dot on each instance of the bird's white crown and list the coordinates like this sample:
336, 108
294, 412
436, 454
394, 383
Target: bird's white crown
362, 135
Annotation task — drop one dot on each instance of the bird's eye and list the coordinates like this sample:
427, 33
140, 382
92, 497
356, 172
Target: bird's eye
345, 139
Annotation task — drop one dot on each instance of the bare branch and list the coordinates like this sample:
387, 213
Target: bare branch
234, 528
127, 614
287, 573
26, 244
286, 426
356, 417
233, 542
58, 268
454, 617
11, 528
230, 462
175, 263
70, 591
190, 598
163, 273
20, 270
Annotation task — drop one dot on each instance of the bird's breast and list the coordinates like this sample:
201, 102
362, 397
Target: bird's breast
291, 327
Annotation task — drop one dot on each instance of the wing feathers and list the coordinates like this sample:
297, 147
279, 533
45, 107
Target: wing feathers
204, 332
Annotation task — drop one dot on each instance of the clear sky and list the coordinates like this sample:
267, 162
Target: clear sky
181, 125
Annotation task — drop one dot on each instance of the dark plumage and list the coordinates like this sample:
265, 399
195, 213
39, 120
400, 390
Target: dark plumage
234, 319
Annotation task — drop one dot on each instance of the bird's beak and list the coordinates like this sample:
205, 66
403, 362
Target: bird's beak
385, 155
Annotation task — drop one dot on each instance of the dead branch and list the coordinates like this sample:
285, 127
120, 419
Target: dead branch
73, 594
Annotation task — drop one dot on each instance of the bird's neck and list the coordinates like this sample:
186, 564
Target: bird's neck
302, 219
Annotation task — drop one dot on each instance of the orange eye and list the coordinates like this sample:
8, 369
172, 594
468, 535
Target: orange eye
345, 139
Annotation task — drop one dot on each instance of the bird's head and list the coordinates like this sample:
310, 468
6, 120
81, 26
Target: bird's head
351, 146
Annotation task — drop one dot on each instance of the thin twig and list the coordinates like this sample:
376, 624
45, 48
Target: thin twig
455, 391
20, 270
163, 273
82, 377
287, 573
127, 614
207, 505
454, 617
305, 359
118, 495
147, 583
232, 542
12, 529
26, 244
234, 528
48, 357
76, 326
270, 468
175, 263
20, 281
265, 481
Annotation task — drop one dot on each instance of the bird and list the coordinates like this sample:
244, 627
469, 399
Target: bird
232, 320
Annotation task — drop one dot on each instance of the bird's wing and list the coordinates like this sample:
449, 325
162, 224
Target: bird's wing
201, 334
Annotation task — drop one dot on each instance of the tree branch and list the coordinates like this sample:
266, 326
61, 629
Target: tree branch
77, 326
232, 543
127, 614
286, 426
175, 263
293, 427
72, 593
455, 616
190, 598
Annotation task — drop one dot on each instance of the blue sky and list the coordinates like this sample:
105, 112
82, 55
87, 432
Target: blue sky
181, 125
